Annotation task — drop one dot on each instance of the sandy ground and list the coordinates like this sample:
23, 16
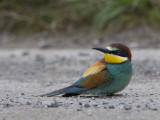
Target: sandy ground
26, 73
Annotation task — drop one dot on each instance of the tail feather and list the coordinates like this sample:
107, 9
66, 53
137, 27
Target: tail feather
70, 89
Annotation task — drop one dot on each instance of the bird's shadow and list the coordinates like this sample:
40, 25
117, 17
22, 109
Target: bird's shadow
86, 95
102, 96
93, 96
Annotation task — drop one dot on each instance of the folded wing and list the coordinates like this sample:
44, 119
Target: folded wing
94, 76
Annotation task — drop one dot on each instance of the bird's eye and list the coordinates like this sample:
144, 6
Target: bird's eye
116, 52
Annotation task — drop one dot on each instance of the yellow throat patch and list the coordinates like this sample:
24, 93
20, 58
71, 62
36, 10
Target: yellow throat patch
109, 58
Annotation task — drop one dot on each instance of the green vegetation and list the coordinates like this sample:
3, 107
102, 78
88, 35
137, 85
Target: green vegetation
27, 16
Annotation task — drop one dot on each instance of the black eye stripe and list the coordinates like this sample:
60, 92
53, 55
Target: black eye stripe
119, 53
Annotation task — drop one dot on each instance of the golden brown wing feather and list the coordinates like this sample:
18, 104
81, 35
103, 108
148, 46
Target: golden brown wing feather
95, 68
94, 80
96, 75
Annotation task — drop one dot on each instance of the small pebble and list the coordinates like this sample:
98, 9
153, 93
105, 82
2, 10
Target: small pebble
80, 103
104, 102
28, 103
71, 102
93, 98
95, 104
50, 103
25, 53
127, 107
6, 105
66, 105
138, 106
22, 94
154, 109
105, 107
39, 58
151, 100
11, 100
38, 103
121, 105
59, 103
86, 105
79, 109
111, 106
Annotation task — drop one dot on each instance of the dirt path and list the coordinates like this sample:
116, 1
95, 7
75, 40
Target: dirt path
24, 73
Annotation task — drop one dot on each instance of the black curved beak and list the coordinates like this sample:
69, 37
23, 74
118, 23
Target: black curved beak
104, 50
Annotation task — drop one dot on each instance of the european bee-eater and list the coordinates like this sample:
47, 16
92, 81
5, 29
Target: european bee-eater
109, 75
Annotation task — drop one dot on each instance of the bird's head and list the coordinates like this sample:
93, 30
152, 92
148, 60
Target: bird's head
116, 53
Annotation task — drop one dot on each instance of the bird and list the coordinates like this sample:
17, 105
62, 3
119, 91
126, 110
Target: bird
110, 75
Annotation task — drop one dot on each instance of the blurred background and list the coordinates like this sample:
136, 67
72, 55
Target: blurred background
64, 24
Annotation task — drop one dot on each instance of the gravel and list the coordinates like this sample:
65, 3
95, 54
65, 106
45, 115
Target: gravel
23, 77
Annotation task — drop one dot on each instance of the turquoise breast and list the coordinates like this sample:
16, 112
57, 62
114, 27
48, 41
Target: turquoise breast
121, 73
